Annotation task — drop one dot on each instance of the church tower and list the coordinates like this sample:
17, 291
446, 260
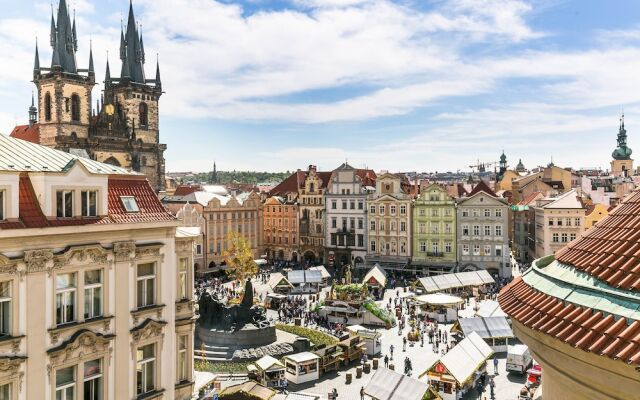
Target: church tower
64, 90
622, 164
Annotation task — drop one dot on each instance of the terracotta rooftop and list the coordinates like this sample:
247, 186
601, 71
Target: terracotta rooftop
530, 199
610, 251
578, 326
26, 132
183, 190
295, 182
482, 187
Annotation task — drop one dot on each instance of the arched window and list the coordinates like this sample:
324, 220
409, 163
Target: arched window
144, 115
47, 107
75, 108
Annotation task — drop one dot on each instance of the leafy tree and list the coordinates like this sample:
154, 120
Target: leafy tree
239, 258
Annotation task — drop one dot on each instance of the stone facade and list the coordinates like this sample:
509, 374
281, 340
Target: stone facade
311, 197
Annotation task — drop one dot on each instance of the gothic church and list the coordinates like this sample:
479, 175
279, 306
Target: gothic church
123, 129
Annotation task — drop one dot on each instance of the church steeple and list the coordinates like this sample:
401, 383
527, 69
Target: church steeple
132, 51
36, 63
91, 70
622, 152
64, 41
158, 81
33, 112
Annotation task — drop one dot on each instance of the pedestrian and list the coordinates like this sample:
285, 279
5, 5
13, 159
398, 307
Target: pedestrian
495, 365
422, 340
391, 351
362, 393
492, 386
335, 393
404, 344
386, 361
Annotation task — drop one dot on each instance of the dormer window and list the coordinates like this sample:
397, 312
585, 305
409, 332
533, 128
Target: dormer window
129, 203
64, 203
89, 200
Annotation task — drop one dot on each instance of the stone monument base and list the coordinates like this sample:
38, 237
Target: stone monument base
248, 336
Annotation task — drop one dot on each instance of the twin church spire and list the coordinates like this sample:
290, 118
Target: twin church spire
64, 41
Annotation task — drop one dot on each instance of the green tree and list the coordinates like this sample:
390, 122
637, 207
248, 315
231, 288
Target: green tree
239, 258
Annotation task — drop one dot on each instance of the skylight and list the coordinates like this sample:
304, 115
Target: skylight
129, 203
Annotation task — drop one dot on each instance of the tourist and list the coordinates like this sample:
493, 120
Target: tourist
495, 365
404, 344
391, 351
492, 386
362, 393
386, 361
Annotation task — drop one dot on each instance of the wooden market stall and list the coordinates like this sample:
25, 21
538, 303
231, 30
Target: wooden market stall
270, 371
279, 283
470, 282
376, 281
326, 276
370, 338
495, 331
456, 372
391, 385
330, 356
246, 391
439, 306
305, 281
302, 367
352, 349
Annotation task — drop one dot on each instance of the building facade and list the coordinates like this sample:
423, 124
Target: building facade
281, 223
226, 214
346, 216
483, 241
559, 221
523, 220
434, 230
125, 130
96, 285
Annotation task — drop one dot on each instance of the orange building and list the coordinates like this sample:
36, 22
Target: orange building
280, 223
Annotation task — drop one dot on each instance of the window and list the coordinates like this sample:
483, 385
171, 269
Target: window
422, 212
447, 212
2, 208
66, 383
423, 247
447, 228
498, 230
487, 212
372, 209
435, 227
465, 230
352, 205
567, 221
65, 298
564, 238
64, 203
465, 213
498, 213
145, 369
5, 392
334, 222
381, 208
373, 245
550, 221
89, 200
372, 225
75, 108
447, 247
465, 249
334, 204
361, 205
47, 107
5, 308
92, 376
352, 223
92, 294
360, 223
475, 212
434, 212
403, 226
476, 230
572, 237
577, 221
498, 251
422, 227
434, 247
183, 341
392, 210
129, 203
559, 222
487, 249
344, 204
476, 249
333, 239
555, 238
183, 289
487, 230
146, 284
144, 114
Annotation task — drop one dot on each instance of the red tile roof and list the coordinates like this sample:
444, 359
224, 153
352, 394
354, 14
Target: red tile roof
610, 251
183, 190
482, 187
295, 182
151, 210
580, 327
29, 209
26, 132
529, 199
367, 176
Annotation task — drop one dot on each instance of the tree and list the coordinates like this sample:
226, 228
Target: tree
239, 258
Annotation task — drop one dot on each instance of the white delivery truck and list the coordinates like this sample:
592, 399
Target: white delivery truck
518, 358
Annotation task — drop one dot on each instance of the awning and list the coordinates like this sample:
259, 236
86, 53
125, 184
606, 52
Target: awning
390, 385
490, 308
304, 276
487, 328
439, 299
437, 283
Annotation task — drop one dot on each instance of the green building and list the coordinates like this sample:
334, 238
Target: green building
434, 231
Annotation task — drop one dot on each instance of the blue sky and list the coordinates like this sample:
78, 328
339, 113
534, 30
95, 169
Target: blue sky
400, 85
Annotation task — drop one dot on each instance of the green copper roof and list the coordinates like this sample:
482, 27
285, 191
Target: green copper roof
571, 285
622, 152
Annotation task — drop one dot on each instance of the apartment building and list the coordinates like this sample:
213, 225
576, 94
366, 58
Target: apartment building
559, 220
281, 229
95, 284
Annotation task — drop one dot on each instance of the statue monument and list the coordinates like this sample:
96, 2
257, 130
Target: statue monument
243, 324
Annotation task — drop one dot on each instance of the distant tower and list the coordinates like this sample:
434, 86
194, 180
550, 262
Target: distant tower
622, 162
503, 166
520, 167
213, 175
33, 113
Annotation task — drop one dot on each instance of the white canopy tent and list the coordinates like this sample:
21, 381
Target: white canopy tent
437, 283
490, 308
440, 299
390, 385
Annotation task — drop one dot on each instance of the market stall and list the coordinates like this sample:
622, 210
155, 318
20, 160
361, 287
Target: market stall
270, 371
390, 385
279, 283
330, 356
326, 276
305, 281
439, 306
376, 281
456, 372
352, 349
455, 282
495, 331
274, 300
490, 308
302, 367
370, 338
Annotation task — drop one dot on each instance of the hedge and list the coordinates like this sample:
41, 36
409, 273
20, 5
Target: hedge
316, 337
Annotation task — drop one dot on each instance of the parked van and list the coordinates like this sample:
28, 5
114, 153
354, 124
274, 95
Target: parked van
518, 358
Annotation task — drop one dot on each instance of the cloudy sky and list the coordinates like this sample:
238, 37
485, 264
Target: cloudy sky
406, 85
